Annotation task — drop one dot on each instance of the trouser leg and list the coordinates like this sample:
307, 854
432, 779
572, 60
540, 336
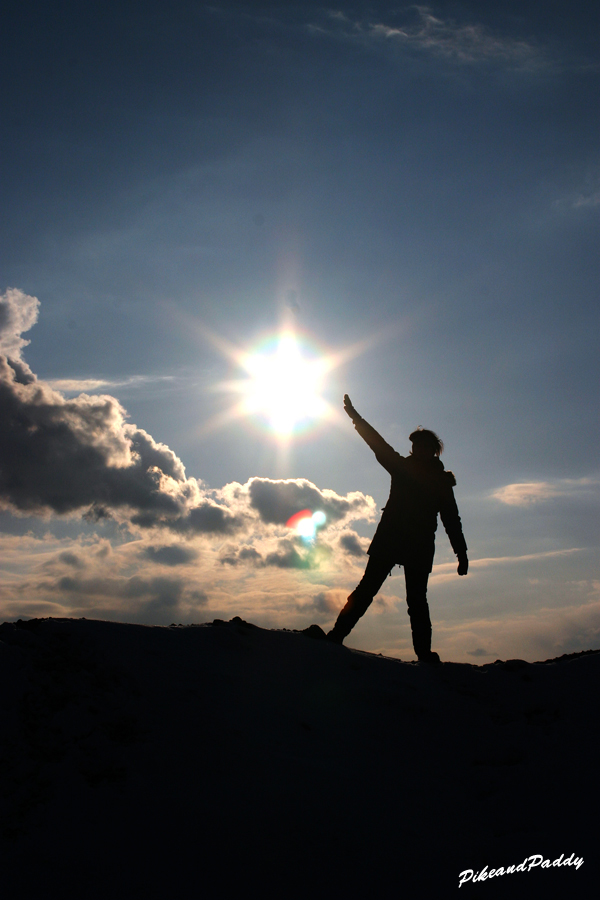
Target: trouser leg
360, 599
418, 609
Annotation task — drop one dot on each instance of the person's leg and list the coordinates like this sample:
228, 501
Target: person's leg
418, 610
360, 599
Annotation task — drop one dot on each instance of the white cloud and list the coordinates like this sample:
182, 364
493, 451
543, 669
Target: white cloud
530, 492
423, 31
18, 313
91, 385
587, 200
447, 571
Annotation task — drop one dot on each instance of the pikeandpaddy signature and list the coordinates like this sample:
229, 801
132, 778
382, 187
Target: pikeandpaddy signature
529, 863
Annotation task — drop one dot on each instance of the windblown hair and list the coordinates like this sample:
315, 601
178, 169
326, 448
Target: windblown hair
429, 438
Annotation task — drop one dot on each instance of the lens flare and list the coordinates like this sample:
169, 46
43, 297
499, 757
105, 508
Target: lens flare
306, 523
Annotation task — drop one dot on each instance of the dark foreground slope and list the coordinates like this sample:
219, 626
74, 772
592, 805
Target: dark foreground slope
201, 760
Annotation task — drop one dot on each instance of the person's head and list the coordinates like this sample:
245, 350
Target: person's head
425, 444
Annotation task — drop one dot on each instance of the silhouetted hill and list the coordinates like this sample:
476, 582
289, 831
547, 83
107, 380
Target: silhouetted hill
223, 758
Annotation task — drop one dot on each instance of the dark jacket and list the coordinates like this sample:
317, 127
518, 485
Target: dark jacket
420, 489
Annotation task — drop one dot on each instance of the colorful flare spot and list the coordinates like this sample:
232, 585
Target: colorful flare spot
293, 521
306, 523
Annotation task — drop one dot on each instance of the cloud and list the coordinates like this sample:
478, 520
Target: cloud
530, 492
289, 556
91, 385
282, 553
18, 313
329, 602
170, 555
424, 32
80, 456
158, 589
233, 557
66, 455
526, 493
124, 583
542, 634
278, 501
350, 542
587, 200
442, 571
71, 559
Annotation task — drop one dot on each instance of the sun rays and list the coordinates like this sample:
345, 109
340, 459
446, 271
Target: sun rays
283, 382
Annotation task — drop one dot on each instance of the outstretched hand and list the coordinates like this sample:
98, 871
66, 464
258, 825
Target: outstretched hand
349, 408
463, 565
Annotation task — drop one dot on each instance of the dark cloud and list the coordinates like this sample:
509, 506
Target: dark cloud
323, 602
65, 455
351, 544
80, 454
159, 591
246, 554
207, 518
199, 597
249, 553
170, 555
289, 558
96, 513
71, 559
288, 555
23, 374
278, 501
210, 519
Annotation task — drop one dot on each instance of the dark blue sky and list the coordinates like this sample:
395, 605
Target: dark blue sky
430, 174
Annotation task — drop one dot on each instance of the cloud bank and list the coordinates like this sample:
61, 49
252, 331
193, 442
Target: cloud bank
79, 458
80, 455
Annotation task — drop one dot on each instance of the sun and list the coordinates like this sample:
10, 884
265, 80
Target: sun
284, 385
283, 381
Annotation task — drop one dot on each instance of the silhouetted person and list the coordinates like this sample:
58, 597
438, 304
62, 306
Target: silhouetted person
405, 535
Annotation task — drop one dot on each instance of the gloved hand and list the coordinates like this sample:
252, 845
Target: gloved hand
350, 409
463, 565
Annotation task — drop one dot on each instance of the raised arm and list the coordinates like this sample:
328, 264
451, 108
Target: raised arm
386, 455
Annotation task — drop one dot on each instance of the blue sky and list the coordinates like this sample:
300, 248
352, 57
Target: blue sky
420, 184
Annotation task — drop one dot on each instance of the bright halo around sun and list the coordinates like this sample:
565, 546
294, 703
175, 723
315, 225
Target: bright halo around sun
284, 384
283, 381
